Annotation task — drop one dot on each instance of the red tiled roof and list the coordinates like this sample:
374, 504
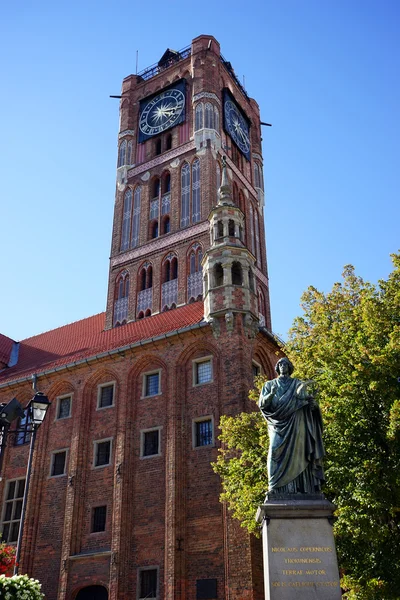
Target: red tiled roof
86, 338
6, 345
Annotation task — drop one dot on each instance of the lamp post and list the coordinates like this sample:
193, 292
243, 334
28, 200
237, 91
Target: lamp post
35, 413
36, 410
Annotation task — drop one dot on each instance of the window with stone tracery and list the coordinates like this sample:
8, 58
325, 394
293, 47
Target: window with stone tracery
136, 217
130, 220
126, 220
218, 179
199, 119
160, 205
169, 278
121, 299
196, 191
190, 193
145, 293
122, 154
208, 116
195, 277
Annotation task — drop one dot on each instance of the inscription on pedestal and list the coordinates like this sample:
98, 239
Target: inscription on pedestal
303, 567
299, 552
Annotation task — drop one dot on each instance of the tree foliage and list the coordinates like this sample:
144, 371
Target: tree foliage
348, 341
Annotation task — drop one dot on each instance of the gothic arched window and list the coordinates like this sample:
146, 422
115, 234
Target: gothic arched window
218, 179
257, 236
129, 154
126, 220
196, 191
198, 114
195, 277
122, 154
209, 116
252, 240
185, 195
216, 118
136, 216
145, 291
169, 287
121, 298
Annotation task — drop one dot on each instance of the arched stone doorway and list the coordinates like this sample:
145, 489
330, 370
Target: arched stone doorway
93, 592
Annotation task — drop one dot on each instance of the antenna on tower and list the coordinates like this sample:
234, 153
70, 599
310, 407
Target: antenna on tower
137, 60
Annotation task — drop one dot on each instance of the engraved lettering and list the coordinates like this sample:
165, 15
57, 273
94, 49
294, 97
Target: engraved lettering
303, 560
316, 572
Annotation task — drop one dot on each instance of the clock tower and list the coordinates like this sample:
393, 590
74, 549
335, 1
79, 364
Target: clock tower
180, 121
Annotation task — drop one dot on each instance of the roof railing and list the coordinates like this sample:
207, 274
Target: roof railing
155, 69
229, 68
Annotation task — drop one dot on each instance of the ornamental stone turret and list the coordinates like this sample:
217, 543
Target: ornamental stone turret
228, 265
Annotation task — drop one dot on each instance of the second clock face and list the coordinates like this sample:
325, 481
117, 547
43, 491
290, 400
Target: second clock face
237, 126
161, 112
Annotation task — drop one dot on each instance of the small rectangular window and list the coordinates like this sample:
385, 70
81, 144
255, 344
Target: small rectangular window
152, 384
148, 580
99, 519
12, 510
105, 396
58, 463
203, 432
206, 589
150, 442
256, 369
64, 407
102, 453
202, 371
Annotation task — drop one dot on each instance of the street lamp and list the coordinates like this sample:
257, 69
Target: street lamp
35, 412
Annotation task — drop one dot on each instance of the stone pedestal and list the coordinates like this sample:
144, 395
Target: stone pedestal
299, 550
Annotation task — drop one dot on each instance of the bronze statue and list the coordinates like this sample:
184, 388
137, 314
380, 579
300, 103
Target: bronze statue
295, 433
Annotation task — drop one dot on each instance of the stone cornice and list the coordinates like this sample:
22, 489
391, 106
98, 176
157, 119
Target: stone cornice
168, 241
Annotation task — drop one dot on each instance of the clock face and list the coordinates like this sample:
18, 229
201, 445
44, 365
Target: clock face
237, 126
161, 112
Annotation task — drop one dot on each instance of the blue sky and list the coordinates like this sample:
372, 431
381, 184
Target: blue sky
325, 74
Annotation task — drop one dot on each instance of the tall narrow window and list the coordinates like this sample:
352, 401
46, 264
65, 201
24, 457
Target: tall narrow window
261, 308
126, 220
252, 240
199, 117
196, 191
169, 288
122, 154
121, 298
136, 217
209, 116
257, 241
129, 153
195, 277
185, 195
218, 179
216, 118
145, 294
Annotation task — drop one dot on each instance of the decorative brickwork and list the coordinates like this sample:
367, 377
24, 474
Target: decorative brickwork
162, 528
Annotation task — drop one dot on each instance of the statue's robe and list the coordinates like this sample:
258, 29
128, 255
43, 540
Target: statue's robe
295, 431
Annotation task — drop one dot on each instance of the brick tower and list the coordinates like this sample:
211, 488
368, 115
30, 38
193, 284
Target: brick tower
177, 120
123, 502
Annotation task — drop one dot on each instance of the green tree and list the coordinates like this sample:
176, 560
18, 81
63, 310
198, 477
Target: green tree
348, 341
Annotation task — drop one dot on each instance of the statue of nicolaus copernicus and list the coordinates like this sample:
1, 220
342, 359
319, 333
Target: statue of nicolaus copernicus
295, 434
